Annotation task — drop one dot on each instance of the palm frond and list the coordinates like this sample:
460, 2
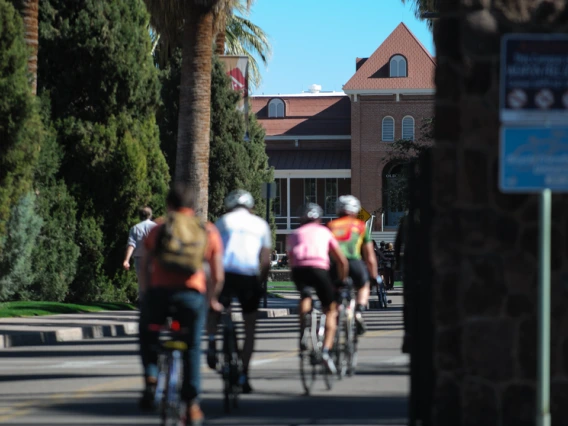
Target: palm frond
227, 8
245, 38
422, 6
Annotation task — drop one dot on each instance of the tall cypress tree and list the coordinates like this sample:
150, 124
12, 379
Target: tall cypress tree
96, 66
20, 125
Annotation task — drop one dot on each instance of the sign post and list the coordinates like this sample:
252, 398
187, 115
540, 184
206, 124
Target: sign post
268, 193
534, 156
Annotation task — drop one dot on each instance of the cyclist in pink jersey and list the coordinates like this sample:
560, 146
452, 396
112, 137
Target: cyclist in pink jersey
309, 248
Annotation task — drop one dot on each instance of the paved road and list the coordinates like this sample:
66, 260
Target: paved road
98, 382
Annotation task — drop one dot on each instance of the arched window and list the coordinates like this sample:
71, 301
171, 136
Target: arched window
388, 129
408, 128
398, 66
276, 108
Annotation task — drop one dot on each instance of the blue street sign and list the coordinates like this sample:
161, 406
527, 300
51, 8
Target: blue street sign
533, 159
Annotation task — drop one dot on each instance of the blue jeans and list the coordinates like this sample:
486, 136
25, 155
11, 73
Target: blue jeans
191, 310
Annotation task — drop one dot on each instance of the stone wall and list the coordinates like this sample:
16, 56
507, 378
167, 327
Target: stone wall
484, 244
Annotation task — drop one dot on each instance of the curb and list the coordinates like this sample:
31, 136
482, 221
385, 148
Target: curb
75, 334
72, 334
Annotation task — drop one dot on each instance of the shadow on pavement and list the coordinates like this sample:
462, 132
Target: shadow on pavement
287, 409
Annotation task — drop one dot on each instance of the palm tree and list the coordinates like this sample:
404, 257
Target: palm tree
195, 19
245, 38
423, 6
236, 35
29, 11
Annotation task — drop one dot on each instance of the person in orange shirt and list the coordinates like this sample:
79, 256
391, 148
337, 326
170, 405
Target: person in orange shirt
190, 294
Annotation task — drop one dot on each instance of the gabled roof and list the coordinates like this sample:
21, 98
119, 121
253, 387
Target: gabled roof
306, 115
374, 73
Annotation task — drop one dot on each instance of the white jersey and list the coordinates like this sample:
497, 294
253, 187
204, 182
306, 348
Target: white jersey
244, 235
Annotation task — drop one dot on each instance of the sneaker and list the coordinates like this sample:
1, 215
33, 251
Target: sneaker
146, 403
245, 385
194, 415
328, 362
360, 324
212, 356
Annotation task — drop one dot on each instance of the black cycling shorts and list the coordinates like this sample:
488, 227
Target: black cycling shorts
247, 288
357, 272
307, 278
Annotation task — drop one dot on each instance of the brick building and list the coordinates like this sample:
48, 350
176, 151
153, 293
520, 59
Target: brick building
325, 144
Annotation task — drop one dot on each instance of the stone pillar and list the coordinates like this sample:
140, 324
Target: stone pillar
484, 243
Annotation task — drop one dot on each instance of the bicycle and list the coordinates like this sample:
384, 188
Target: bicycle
231, 366
311, 347
345, 343
170, 372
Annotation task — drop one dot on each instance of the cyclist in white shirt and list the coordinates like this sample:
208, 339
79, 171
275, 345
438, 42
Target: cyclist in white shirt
247, 244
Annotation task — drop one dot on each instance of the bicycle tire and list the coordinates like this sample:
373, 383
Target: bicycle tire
171, 404
327, 376
307, 356
339, 343
352, 347
230, 367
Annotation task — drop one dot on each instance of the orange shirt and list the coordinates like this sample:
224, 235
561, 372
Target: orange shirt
160, 277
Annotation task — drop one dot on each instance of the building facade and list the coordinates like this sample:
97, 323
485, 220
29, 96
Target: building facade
326, 144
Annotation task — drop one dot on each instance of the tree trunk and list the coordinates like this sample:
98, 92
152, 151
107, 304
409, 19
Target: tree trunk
29, 11
192, 160
220, 42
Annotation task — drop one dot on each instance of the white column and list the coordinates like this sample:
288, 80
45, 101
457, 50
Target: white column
288, 203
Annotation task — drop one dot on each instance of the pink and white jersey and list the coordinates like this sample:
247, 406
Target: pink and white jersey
309, 246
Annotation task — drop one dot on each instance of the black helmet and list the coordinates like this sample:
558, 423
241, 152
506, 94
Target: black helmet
311, 213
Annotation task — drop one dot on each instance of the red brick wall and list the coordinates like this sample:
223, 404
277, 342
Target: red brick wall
369, 154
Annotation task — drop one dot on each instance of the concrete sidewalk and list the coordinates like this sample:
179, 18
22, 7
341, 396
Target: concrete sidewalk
49, 330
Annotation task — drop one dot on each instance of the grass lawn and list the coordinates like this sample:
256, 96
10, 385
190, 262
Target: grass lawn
29, 309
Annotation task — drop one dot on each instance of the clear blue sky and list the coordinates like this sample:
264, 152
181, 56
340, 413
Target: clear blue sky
317, 41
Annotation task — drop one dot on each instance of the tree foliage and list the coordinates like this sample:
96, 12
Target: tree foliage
20, 125
16, 269
95, 63
406, 152
55, 254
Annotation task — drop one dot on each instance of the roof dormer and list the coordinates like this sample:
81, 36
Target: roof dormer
398, 66
276, 108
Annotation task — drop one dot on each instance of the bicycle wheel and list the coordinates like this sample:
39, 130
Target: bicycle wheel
308, 361
351, 347
339, 344
327, 376
230, 363
171, 405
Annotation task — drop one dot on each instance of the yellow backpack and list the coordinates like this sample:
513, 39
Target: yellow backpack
181, 243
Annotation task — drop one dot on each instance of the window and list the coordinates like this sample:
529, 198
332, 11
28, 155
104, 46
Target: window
330, 196
277, 201
398, 66
388, 129
310, 191
276, 108
408, 128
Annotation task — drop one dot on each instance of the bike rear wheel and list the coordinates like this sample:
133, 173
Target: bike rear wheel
328, 377
339, 344
171, 403
231, 368
351, 349
308, 358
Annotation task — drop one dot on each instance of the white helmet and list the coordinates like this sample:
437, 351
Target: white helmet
239, 198
348, 204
